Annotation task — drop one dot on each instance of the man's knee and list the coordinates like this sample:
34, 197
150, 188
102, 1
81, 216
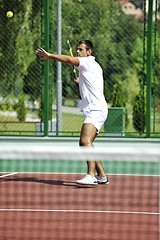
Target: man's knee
85, 141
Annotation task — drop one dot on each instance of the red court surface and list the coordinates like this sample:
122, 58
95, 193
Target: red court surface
52, 206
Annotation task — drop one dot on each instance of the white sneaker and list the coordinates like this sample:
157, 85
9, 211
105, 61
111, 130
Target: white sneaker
88, 180
102, 180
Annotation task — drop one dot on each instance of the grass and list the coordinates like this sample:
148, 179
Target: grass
71, 122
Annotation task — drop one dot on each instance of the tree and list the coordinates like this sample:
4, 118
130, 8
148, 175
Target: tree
9, 29
18, 40
119, 99
32, 83
21, 109
112, 32
118, 96
139, 112
131, 86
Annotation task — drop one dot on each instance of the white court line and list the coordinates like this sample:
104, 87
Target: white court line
76, 211
9, 174
108, 174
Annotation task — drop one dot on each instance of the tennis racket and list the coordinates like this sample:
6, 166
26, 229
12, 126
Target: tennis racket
71, 53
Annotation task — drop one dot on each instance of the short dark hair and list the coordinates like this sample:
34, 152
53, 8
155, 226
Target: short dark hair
88, 43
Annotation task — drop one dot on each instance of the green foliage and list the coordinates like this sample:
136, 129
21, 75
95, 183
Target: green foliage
4, 106
137, 55
25, 40
117, 38
31, 84
41, 109
119, 99
118, 96
20, 36
156, 70
139, 112
21, 109
112, 32
130, 91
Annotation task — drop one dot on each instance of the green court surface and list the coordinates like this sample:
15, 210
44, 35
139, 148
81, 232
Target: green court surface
64, 166
111, 166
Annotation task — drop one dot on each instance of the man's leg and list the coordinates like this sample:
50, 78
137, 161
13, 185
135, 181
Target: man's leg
88, 134
100, 169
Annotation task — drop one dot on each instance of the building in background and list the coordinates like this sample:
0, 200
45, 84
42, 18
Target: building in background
136, 8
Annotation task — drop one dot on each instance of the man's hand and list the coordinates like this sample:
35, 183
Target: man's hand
76, 81
43, 53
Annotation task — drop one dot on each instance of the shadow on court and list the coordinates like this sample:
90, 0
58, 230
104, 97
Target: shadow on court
49, 182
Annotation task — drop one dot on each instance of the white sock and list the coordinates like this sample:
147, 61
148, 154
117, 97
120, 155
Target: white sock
103, 178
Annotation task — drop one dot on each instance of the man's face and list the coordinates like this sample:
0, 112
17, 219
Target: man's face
82, 51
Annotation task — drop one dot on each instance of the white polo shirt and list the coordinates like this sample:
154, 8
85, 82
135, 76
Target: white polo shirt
91, 85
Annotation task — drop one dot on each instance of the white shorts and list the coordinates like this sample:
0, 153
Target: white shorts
97, 118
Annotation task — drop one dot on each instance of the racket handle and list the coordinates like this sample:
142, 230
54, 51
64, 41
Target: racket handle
71, 53
75, 74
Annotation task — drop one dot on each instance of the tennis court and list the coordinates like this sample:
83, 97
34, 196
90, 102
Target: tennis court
40, 199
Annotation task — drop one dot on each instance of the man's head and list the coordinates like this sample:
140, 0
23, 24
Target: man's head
85, 48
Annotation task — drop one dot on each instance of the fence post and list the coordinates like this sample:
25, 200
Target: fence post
46, 67
149, 69
59, 71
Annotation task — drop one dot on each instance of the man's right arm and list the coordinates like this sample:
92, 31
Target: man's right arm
58, 57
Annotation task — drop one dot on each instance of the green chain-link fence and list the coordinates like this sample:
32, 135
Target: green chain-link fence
38, 98
20, 73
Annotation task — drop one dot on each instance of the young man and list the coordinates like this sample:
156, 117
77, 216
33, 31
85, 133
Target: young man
93, 104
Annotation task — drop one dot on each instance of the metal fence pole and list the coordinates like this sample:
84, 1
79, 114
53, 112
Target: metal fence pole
46, 67
149, 69
59, 81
